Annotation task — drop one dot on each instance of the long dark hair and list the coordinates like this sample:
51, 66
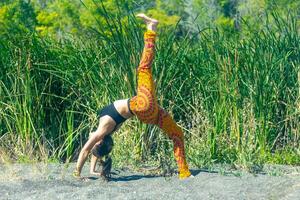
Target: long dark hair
104, 148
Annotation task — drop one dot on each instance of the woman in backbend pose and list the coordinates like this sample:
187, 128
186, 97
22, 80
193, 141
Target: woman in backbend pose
144, 105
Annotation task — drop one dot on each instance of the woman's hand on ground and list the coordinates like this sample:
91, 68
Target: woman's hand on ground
96, 173
76, 174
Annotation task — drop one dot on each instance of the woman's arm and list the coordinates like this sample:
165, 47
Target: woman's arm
94, 160
97, 136
84, 154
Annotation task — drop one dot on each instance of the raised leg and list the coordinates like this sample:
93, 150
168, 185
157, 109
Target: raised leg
144, 104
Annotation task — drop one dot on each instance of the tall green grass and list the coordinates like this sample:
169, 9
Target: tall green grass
237, 98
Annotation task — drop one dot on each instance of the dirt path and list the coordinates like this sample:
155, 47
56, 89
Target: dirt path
53, 181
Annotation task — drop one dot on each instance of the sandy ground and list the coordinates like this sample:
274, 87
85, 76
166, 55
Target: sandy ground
54, 181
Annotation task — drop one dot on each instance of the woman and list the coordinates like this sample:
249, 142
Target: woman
144, 105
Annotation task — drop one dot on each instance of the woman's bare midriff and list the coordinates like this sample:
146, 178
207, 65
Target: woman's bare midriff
122, 108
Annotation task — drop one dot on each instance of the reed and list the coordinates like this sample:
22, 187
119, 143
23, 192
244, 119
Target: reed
236, 98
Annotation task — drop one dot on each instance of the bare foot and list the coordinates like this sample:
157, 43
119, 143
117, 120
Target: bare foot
185, 178
150, 22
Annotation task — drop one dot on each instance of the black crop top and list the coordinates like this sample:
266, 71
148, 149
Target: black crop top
111, 111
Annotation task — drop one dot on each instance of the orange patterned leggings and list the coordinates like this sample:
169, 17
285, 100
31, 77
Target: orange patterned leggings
144, 105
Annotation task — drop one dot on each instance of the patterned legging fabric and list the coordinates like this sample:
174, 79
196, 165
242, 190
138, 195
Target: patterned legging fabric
144, 105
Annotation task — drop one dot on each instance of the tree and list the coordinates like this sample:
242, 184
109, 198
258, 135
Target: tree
17, 17
58, 18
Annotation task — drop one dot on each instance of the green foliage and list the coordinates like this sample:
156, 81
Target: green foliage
235, 92
82, 17
16, 16
59, 17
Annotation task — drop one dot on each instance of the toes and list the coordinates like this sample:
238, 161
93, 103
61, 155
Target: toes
141, 15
